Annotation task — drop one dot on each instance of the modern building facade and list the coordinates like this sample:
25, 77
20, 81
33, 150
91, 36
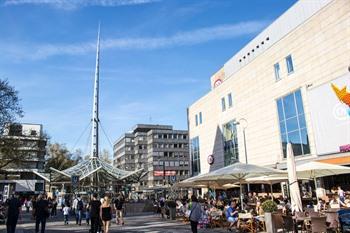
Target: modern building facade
23, 176
158, 149
291, 83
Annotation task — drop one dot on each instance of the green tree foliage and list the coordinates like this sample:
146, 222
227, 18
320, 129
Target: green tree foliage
10, 108
59, 157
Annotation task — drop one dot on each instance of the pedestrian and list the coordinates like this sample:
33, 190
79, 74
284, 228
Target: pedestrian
106, 213
27, 204
118, 204
13, 212
66, 210
54, 207
341, 194
94, 206
79, 210
87, 214
196, 213
162, 206
41, 213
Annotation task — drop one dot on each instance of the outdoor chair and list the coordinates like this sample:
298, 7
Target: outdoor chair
278, 222
332, 220
288, 223
260, 223
318, 224
246, 222
300, 220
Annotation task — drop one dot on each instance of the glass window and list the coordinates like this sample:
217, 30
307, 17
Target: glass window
229, 96
223, 104
196, 120
292, 124
200, 118
195, 157
230, 143
289, 62
277, 71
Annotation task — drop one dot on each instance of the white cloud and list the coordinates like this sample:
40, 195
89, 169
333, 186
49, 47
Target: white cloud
73, 4
197, 36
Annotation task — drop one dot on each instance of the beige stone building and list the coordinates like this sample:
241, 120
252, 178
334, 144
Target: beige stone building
277, 89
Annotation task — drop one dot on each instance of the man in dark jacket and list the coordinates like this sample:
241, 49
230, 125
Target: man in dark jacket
41, 213
95, 214
14, 208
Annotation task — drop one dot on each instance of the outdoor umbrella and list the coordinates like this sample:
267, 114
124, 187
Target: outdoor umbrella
293, 181
313, 170
239, 172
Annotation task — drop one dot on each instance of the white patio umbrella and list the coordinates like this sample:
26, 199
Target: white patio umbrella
293, 181
313, 170
239, 173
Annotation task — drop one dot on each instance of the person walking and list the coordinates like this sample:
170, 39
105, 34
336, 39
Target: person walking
106, 214
66, 210
196, 213
94, 206
87, 214
54, 207
79, 210
118, 204
41, 213
13, 212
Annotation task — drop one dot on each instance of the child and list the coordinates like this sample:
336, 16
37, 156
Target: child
66, 213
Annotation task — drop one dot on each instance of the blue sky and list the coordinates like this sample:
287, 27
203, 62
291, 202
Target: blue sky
156, 58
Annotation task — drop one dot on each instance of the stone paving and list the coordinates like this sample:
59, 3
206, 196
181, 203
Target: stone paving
149, 223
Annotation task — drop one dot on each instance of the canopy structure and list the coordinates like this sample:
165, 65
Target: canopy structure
314, 170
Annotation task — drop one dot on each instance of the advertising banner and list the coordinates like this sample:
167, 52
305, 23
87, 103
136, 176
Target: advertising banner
330, 115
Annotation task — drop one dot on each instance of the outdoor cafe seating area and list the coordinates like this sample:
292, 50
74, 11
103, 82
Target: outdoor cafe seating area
269, 212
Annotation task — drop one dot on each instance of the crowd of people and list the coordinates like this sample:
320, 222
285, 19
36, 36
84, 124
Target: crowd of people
97, 212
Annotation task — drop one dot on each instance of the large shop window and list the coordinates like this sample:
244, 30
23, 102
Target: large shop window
195, 156
230, 143
292, 124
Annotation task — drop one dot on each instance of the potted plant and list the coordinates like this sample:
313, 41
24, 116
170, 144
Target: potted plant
269, 207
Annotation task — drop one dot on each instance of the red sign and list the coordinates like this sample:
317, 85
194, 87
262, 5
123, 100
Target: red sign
344, 148
167, 173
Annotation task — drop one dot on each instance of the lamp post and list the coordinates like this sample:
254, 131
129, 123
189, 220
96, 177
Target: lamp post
244, 124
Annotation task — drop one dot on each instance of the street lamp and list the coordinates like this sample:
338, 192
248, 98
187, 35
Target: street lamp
244, 124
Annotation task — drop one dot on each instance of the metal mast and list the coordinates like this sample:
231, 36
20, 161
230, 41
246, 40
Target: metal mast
95, 119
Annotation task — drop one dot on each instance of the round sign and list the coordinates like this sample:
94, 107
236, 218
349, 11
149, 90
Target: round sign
217, 82
210, 159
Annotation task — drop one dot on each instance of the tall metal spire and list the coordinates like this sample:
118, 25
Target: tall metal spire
95, 118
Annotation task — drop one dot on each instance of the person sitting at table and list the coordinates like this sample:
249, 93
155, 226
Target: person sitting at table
220, 205
336, 202
232, 215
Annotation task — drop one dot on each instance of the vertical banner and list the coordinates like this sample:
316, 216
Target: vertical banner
330, 115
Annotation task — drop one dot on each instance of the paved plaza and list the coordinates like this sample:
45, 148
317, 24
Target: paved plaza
146, 223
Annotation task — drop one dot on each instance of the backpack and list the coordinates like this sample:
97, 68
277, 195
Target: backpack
80, 205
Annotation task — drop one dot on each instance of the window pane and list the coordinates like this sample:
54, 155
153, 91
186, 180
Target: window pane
305, 141
230, 100
230, 143
302, 123
277, 71
294, 139
284, 145
223, 104
289, 62
282, 127
299, 101
280, 110
292, 124
289, 106
200, 118
196, 119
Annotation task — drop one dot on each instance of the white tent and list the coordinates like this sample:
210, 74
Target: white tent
293, 181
